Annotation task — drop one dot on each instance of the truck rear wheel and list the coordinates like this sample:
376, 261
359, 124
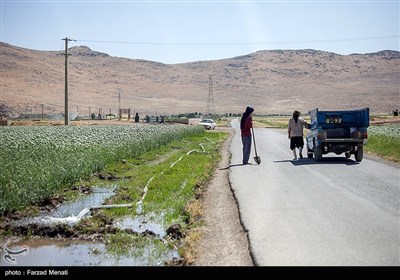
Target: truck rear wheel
318, 153
359, 153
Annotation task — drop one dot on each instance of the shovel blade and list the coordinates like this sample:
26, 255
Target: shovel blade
257, 159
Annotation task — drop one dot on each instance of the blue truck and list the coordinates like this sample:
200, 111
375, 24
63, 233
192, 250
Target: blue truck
337, 132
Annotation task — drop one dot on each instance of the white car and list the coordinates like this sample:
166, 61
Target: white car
208, 123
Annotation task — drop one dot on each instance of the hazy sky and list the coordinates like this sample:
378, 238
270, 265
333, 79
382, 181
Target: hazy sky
185, 31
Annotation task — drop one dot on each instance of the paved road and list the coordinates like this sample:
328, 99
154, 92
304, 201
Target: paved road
336, 212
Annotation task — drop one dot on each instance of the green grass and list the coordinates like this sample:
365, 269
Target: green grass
146, 251
384, 141
176, 177
271, 121
127, 244
171, 187
276, 121
384, 146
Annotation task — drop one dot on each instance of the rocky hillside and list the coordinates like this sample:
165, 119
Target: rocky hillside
277, 81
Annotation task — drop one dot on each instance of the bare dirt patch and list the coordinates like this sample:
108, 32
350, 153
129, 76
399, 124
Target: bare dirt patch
384, 120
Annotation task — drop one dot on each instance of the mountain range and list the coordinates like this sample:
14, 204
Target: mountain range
272, 81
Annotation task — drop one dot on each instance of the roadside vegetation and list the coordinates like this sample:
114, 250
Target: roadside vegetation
271, 121
384, 141
162, 182
175, 175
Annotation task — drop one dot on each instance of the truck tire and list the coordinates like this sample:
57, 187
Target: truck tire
359, 153
318, 153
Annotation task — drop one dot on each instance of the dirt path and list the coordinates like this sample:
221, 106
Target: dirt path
225, 242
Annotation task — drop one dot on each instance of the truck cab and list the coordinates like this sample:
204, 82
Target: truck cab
337, 132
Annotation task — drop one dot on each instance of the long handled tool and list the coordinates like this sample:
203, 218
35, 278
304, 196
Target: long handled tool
257, 159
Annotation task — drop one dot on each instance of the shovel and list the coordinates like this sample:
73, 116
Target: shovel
257, 159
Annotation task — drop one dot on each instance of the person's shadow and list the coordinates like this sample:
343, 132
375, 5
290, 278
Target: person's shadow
234, 165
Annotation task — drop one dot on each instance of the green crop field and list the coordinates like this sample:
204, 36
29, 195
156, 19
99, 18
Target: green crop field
384, 141
38, 161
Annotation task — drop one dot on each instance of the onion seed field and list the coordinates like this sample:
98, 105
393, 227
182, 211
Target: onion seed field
37, 161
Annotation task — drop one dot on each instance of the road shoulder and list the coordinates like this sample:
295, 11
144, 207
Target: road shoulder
224, 241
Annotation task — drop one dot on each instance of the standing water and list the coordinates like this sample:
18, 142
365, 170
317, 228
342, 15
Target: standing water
70, 212
53, 252
68, 252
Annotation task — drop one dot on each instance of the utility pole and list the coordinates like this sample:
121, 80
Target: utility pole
119, 99
42, 112
66, 122
210, 103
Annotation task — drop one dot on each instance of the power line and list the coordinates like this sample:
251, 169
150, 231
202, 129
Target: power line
240, 43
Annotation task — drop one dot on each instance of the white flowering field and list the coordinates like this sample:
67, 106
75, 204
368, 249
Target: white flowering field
36, 161
390, 130
384, 141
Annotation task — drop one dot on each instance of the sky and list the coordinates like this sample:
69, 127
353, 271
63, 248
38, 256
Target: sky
186, 31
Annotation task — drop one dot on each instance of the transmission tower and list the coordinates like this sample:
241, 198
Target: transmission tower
210, 103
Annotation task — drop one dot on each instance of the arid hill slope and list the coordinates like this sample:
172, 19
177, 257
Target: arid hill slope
277, 81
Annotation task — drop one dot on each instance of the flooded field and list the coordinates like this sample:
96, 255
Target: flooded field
70, 212
53, 252
58, 251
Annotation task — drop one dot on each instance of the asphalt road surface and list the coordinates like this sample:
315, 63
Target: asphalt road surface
336, 212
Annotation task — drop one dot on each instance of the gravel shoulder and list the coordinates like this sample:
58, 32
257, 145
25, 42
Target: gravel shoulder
224, 242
